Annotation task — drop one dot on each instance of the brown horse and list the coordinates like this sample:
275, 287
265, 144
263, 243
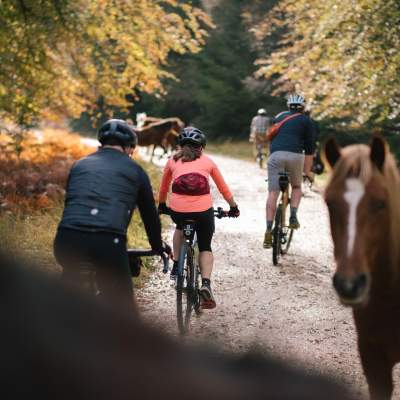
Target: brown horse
363, 197
162, 133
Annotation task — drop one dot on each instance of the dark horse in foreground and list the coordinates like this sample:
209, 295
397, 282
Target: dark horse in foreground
363, 197
58, 344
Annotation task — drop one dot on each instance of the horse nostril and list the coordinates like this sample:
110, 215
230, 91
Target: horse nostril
349, 288
361, 281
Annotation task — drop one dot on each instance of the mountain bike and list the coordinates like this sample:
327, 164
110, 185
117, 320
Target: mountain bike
188, 274
135, 260
87, 271
260, 151
282, 235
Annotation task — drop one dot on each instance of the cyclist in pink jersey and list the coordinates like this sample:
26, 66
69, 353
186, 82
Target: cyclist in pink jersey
189, 171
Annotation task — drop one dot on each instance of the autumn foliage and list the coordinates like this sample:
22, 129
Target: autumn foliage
342, 55
35, 179
62, 57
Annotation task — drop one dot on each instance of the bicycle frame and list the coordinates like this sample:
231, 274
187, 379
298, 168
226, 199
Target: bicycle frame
187, 283
190, 239
88, 271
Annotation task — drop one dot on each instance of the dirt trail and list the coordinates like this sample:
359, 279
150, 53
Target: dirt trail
290, 310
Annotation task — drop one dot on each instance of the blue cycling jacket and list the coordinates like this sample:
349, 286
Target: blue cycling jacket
296, 135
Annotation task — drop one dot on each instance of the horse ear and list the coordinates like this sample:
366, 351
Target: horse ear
378, 151
332, 151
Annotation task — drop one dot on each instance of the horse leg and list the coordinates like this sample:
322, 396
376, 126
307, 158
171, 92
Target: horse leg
377, 369
165, 151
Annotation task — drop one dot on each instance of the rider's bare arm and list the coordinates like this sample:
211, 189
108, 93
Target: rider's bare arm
308, 162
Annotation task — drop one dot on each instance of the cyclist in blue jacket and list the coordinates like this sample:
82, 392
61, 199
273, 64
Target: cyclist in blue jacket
291, 150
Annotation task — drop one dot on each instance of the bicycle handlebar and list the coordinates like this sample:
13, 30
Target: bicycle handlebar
219, 212
148, 253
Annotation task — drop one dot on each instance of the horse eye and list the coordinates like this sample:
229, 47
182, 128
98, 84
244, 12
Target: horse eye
377, 205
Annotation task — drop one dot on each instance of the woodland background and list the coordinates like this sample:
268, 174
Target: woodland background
71, 64
211, 63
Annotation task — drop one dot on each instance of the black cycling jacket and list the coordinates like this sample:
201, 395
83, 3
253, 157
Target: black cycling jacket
103, 189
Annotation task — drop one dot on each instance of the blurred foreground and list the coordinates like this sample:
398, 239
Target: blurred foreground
57, 343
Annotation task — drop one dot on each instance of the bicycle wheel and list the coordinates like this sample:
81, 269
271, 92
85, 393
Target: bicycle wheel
260, 159
192, 288
277, 232
184, 289
286, 232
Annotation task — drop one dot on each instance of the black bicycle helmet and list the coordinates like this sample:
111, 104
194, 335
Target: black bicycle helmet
118, 130
192, 135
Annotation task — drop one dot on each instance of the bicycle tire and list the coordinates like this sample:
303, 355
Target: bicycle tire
180, 286
260, 160
185, 293
287, 233
191, 291
276, 237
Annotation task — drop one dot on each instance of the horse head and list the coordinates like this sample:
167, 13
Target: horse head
361, 197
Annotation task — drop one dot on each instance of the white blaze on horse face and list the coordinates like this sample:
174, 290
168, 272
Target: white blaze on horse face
354, 192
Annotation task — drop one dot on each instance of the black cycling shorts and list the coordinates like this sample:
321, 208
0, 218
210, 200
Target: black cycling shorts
204, 226
104, 251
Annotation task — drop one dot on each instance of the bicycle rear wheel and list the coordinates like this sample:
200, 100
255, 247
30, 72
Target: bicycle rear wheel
185, 289
277, 233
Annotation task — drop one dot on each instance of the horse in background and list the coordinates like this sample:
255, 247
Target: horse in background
363, 198
140, 120
160, 133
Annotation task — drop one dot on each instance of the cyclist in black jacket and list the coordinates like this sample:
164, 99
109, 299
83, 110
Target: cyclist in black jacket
103, 190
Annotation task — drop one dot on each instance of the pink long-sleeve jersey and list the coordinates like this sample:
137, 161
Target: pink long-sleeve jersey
177, 171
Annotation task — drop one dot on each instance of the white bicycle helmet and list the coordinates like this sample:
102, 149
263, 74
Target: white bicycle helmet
262, 111
296, 100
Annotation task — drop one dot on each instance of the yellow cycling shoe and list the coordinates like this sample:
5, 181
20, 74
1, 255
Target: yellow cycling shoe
267, 240
294, 223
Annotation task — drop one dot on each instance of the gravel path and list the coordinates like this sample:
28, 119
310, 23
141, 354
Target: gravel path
290, 310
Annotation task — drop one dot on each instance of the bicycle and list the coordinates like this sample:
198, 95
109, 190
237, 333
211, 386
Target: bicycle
260, 151
188, 274
282, 235
87, 271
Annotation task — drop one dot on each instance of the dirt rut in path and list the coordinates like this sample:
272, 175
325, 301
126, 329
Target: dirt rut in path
290, 310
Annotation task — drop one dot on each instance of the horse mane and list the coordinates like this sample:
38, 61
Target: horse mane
355, 161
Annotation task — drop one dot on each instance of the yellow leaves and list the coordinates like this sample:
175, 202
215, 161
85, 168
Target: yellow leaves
339, 53
110, 49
